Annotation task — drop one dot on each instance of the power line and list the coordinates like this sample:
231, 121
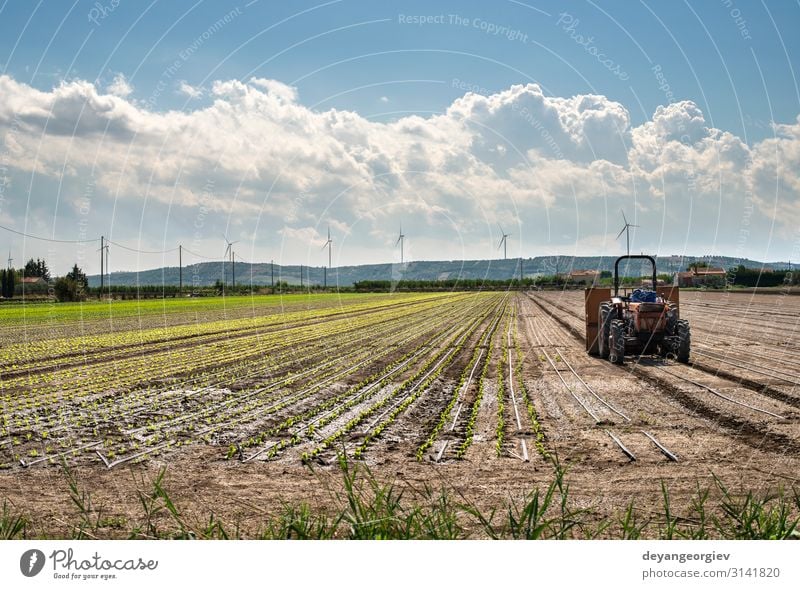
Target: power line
29, 236
116, 244
138, 251
201, 255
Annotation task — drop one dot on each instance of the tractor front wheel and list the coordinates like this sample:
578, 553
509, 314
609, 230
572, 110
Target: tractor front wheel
605, 329
617, 342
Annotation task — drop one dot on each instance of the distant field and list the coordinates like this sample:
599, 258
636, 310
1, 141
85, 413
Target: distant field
36, 323
246, 399
54, 314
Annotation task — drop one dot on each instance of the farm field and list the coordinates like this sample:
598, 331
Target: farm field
247, 402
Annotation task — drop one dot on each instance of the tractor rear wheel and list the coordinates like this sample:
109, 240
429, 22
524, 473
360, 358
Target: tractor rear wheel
617, 342
605, 329
672, 319
684, 341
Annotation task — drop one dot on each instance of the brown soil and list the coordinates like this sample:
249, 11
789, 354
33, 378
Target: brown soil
745, 447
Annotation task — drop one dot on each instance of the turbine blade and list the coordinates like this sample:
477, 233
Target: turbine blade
623, 216
621, 232
398, 240
501, 229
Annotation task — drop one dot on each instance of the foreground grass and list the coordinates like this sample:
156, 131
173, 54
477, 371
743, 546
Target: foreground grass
364, 508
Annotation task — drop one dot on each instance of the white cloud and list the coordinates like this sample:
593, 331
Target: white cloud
120, 87
186, 89
562, 165
276, 88
384, 99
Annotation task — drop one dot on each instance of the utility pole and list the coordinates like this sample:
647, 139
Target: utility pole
102, 274
233, 269
109, 272
180, 269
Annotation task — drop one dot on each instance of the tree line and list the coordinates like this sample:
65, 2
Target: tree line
74, 286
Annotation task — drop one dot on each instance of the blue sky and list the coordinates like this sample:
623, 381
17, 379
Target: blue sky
702, 51
732, 62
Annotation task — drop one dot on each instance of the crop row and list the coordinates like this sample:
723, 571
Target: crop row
36, 354
533, 416
33, 325
363, 355
500, 429
431, 365
476, 404
125, 373
415, 393
459, 391
115, 402
319, 416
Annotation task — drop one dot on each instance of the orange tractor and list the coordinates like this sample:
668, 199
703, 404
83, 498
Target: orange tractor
642, 322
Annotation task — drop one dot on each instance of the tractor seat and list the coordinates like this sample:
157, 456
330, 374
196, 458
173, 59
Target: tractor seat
641, 295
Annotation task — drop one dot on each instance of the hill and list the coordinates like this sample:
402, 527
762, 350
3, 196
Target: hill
207, 273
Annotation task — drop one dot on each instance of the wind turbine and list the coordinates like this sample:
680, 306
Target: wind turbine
400, 241
229, 254
503, 241
10, 259
626, 230
329, 245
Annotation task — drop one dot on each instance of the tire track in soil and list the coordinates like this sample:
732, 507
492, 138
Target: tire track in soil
575, 435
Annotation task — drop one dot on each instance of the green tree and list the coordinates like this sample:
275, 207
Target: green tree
77, 275
71, 287
36, 269
66, 289
8, 280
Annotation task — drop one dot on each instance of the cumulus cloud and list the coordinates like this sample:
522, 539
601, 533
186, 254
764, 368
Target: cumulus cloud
582, 128
189, 90
559, 165
276, 88
120, 87
774, 180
